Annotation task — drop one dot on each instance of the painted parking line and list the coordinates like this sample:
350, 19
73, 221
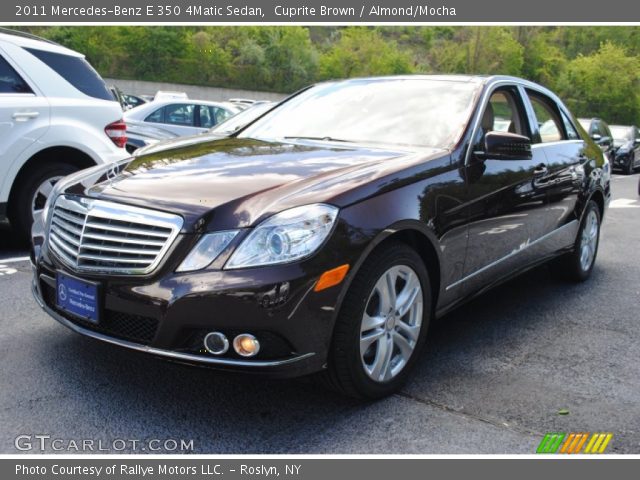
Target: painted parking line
14, 260
624, 203
4, 270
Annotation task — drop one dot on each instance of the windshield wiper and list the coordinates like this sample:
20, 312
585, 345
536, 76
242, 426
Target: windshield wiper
322, 139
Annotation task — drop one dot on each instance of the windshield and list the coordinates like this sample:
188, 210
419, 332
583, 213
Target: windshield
621, 133
420, 112
241, 119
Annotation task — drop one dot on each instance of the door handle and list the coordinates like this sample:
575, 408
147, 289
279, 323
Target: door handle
540, 170
24, 116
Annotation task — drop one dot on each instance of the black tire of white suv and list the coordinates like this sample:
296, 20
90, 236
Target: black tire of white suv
32, 194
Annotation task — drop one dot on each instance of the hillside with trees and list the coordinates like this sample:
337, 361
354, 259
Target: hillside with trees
594, 69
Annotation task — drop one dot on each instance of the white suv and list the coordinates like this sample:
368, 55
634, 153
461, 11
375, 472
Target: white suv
56, 116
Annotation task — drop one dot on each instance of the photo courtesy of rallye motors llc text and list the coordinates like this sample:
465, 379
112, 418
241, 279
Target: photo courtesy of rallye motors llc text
162, 468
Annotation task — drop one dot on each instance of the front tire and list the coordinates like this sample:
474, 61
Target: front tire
33, 193
382, 324
578, 264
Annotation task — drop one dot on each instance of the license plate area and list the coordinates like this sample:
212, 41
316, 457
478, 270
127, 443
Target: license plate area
78, 297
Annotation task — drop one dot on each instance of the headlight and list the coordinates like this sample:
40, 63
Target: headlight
286, 237
207, 250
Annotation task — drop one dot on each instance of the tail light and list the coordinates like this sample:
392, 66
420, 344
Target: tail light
117, 132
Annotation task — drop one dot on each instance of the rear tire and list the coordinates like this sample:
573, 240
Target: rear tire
369, 369
32, 193
577, 265
629, 167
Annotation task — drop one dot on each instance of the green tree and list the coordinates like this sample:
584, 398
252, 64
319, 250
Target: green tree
544, 61
480, 50
362, 51
153, 51
603, 84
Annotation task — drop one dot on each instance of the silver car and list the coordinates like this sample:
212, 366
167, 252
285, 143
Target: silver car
180, 116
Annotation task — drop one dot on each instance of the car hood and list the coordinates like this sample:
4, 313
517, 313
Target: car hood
622, 144
235, 183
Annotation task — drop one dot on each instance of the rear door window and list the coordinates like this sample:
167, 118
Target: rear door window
572, 134
550, 126
210, 115
10, 80
156, 117
76, 71
180, 114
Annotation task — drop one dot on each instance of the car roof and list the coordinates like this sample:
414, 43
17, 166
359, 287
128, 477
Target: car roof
588, 119
482, 80
151, 106
26, 40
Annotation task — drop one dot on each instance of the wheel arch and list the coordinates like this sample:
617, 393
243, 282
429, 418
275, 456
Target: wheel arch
597, 196
69, 155
414, 234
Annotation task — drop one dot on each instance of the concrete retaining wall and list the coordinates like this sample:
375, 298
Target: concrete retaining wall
139, 87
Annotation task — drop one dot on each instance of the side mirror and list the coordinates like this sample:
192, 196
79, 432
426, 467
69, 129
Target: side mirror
596, 137
506, 146
636, 142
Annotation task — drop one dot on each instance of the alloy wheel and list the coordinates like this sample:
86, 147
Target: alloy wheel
42, 194
391, 323
589, 240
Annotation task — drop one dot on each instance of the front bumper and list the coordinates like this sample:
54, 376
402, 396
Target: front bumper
266, 366
167, 315
621, 160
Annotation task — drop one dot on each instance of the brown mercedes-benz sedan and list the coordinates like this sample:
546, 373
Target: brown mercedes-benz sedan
326, 235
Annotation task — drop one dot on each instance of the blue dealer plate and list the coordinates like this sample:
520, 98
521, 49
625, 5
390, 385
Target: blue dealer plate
78, 297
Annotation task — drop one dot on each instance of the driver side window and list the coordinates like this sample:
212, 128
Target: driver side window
501, 114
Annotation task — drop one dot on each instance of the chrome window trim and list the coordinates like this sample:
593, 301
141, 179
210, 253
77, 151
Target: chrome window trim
94, 208
490, 87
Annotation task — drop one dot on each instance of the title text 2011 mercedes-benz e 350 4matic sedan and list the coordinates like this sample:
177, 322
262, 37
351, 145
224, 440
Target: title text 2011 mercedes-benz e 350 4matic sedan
326, 235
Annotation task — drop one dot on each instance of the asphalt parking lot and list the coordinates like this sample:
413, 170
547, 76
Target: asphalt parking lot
493, 379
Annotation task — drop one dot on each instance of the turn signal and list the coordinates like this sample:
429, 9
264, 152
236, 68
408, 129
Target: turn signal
331, 278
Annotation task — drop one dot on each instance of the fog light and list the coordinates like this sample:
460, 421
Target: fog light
216, 343
246, 345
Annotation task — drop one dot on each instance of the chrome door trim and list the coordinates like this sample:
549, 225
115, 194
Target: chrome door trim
572, 224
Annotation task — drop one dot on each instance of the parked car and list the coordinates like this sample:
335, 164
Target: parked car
329, 233
141, 134
57, 116
626, 142
241, 120
179, 116
600, 133
170, 95
244, 103
133, 101
153, 141
117, 94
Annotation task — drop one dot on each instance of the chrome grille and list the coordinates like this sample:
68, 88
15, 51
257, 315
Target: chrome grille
99, 236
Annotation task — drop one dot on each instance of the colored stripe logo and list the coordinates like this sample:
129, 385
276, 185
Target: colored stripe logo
582, 442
